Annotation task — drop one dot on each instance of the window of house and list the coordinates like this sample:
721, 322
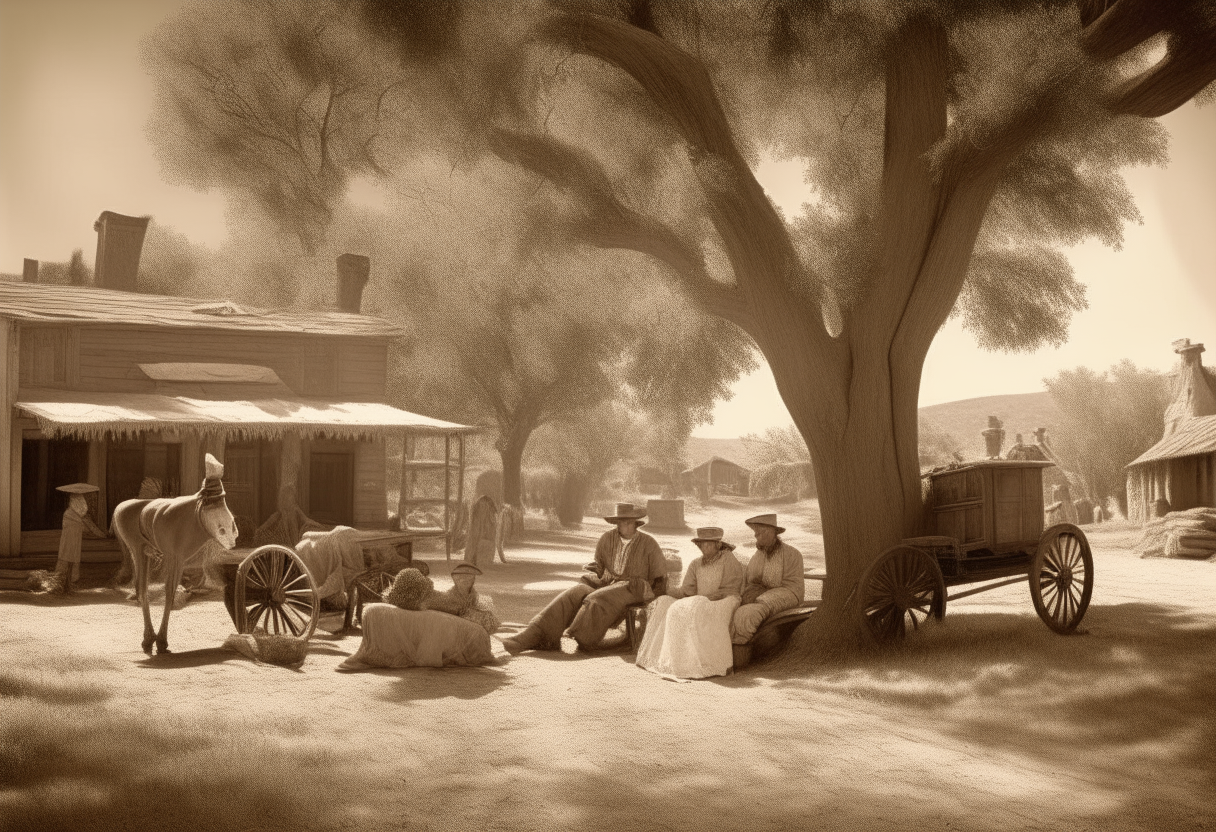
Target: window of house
47, 464
44, 356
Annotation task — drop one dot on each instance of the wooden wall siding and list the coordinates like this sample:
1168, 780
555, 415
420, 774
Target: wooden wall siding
10, 443
371, 500
109, 355
49, 356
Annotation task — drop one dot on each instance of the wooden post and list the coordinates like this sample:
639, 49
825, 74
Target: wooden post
97, 477
447, 494
10, 469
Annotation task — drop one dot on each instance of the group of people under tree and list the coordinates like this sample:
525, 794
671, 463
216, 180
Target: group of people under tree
692, 627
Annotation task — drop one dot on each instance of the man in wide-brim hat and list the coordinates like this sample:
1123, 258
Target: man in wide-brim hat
773, 579
629, 567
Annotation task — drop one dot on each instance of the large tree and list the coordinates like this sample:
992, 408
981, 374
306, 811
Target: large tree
952, 146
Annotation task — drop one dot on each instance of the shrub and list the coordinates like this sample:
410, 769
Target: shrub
783, 481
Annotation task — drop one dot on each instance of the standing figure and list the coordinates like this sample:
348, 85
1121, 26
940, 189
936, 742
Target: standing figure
629, 568
773, 579
690, 638
76, 521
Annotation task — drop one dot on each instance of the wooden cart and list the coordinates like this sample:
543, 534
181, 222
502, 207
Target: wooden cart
272, 589
987, 524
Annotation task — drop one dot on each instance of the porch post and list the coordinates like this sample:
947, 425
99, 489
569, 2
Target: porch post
10, 444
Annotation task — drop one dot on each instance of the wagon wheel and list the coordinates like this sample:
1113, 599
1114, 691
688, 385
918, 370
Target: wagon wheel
903, 586
369, 588
275, 591
1062, 577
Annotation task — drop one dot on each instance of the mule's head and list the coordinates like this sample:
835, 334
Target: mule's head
219, 522
214, 514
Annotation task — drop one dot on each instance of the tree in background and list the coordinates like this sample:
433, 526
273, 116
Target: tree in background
937, 446
1106, 421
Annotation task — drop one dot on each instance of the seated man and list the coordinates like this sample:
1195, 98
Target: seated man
772, 580
629, 567
463, 600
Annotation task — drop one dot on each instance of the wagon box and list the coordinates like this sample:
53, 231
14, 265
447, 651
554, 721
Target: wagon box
991, 507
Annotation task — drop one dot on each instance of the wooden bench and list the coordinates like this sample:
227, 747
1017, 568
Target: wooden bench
771, 633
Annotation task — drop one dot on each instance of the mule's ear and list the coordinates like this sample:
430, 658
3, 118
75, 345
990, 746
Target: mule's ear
214, 468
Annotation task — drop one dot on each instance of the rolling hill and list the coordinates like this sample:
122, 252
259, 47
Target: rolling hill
964, 419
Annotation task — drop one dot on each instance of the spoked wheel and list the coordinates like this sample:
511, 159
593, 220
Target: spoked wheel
275, 592
900, 591
1062, 577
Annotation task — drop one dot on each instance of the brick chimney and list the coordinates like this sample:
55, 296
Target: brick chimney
1193, 393
353, 271
994, 437
120, 241
29, 271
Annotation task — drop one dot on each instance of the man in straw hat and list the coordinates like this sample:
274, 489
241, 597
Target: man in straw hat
463, 600
773, 579
76, 521
629, 567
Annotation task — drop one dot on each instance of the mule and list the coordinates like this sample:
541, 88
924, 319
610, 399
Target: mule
178, 530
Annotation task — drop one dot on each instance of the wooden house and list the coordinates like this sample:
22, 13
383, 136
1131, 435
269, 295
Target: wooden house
716, 476
1179, 472
128, 391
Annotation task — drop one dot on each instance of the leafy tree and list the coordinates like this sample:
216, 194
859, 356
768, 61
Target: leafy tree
937, 446
777, 445
952, 146
1106, 421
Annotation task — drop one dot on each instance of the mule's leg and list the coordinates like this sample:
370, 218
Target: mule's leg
141, 593
173, 576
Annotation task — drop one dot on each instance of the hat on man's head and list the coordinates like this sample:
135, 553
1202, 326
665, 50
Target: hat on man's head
465, 569
764, 520
77, 488
628, 511
712, 534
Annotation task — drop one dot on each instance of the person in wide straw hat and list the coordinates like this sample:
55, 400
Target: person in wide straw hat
628, 568
76, 521
773, 579
690, 638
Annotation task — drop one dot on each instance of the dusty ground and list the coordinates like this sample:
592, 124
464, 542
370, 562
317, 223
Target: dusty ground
985, 721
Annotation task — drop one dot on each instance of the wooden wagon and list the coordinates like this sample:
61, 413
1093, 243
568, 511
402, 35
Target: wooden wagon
987, 524
270, 588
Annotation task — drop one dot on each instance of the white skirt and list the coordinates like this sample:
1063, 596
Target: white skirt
688, 638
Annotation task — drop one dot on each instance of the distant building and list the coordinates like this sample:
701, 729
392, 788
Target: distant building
1179, 472
128, 391
716, 476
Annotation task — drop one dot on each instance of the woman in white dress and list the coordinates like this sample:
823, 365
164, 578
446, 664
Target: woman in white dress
688, 635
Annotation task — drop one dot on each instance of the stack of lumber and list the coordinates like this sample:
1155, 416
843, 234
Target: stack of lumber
1180, 534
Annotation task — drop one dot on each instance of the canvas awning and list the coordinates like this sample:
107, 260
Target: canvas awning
92, 415
1192, 437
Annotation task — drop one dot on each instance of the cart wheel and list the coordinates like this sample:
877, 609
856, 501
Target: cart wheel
369, 588
1062, 577
275, 591
904, 585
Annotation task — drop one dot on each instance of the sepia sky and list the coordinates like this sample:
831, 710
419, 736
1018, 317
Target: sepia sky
74, 99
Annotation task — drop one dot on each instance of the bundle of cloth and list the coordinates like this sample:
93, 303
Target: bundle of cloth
333, 558
418, 627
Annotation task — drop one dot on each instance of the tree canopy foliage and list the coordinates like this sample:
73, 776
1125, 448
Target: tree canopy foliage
1106, 421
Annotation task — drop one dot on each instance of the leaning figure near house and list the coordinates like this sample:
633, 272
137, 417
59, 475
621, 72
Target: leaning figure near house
76, 522
773, 579
688, 636
629, 568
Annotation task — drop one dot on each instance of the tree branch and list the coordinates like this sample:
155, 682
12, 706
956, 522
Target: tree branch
608, 223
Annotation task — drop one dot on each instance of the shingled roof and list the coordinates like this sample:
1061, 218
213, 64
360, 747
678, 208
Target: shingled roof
43, 303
